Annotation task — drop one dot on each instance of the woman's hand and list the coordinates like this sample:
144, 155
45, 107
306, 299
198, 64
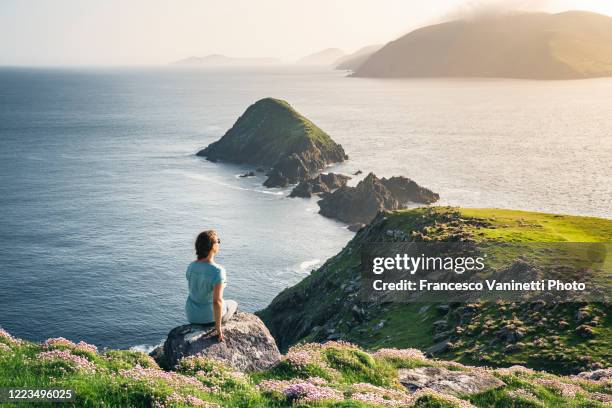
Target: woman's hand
220, 336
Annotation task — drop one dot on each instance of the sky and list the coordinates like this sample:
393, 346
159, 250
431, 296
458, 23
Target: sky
151, 32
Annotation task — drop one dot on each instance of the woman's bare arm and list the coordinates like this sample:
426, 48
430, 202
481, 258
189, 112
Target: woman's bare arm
218, 308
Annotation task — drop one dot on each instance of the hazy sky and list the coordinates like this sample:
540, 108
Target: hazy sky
127, 32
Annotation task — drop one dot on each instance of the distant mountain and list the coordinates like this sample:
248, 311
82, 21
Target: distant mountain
567, 45
325, 57
354, 60
222, 60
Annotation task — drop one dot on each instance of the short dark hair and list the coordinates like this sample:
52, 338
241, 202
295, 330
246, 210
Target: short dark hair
204, 243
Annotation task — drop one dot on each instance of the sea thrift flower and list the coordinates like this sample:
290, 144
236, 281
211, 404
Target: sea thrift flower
279, 386
402, 354
602, 375
4, 335
601, 397
77, 362
565, 389
459, 403
189, 400
522, 394
151, 376
57, 342
301, 358
515, 369
4, 347
61, 342
375, 399
305, 393
373, 394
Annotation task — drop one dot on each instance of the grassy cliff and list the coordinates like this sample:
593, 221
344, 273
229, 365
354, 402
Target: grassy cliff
561, 337
331, 375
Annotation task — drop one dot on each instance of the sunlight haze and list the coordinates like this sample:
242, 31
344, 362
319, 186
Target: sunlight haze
139, 32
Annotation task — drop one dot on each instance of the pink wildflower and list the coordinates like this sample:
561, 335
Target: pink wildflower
175, 380
565, 389
305, 392
515, 369
4, 347
459, 403
601, 375
522, 394
77, 362
375, 399
402, 354
61, 342
279, 386
4, 335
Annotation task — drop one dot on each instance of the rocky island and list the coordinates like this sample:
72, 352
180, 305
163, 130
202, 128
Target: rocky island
273, 135
359, 204
323, 183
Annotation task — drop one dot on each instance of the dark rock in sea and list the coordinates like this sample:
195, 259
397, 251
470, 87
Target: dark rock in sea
406, 190
356, 227
274, 135
361, 203
358, 172
448, 382
249, 174
248, 344
323, 183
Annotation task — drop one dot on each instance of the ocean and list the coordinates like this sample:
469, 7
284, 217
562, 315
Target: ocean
101, 194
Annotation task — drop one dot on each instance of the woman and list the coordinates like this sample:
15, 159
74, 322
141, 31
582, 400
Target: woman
206, 281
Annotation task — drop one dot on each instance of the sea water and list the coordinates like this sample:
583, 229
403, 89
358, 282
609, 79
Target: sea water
101, 194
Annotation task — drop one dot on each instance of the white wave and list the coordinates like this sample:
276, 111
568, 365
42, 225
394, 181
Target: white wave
202, 177
145, 348
307, 265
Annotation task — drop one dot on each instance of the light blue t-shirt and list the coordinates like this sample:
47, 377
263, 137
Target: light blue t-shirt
201, 279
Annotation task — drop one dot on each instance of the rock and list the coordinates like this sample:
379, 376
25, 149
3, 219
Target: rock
272, 134
581, 315
585, 331
361, 203
443, 308
356, 227
440, 325
442, 335
406, 190
249, 174
604, 374
248, 344
440, 347
323, 183
448, 382
358, 172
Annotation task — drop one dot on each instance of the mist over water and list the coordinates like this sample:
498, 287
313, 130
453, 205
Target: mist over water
102, 196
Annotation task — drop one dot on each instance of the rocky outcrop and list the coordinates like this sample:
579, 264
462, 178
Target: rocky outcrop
272, 134
446, 381
361, 203
323, 183
248, 344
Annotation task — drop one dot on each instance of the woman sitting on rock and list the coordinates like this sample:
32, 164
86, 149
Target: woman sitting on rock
206, 281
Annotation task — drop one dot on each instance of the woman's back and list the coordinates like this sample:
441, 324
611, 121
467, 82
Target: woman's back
202, 278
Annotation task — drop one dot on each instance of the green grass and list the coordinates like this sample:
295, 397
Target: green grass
306, 311
116, 378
